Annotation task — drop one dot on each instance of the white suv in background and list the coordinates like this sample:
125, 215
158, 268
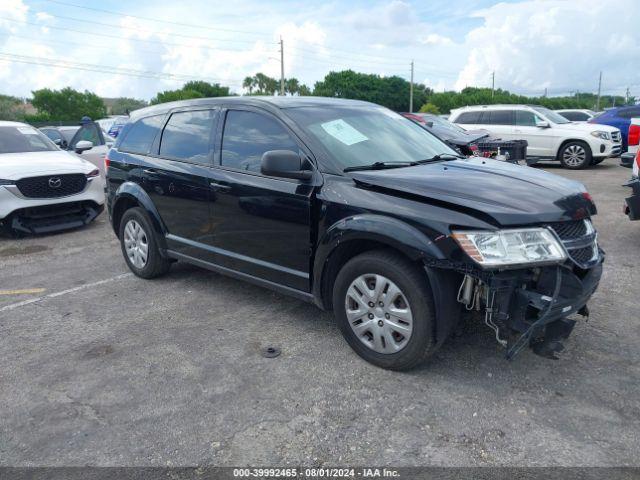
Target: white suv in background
549, 135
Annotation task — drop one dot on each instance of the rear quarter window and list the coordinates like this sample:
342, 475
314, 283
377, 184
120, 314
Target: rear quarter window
139, 136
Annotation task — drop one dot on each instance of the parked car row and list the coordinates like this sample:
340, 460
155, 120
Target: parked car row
549, 135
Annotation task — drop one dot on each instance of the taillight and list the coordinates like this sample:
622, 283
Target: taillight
587, 196
107, 162
93, 173
634, 134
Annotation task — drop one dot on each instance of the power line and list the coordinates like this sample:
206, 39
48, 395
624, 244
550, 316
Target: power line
150, 19
119, 37
111, 12
129, 72
190, 37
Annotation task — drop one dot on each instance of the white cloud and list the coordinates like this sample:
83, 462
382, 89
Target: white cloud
12, 10
532, 44
436, 39
556, 44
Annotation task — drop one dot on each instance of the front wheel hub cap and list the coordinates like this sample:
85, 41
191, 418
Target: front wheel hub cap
387, 326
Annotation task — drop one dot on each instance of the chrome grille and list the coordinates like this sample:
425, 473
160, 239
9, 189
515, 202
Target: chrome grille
615, 136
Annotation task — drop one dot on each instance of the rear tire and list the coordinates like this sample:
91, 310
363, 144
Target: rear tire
575, 155
139, 244
384, 307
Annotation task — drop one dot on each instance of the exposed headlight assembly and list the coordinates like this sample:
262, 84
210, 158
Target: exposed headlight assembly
505, 248
601, 134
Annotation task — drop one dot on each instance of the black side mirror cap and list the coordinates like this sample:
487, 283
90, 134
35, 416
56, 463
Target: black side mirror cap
285, 164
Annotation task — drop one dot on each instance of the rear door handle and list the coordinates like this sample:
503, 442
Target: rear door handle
218, 187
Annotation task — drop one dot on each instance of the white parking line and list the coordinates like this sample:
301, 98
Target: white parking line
13, 306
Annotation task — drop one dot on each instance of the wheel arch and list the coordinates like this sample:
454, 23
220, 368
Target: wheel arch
360, 233
572, 140
130, 195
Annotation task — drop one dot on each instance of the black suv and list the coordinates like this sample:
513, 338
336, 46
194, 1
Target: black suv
354, 208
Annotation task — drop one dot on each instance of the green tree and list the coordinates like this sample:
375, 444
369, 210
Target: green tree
10, 109
391, 92
124, 105
207, 89
193, 89
174, 95
429, 108
261, 84
68, 104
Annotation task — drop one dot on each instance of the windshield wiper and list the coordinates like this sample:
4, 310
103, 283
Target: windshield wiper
437, 158
378, 166
384, 165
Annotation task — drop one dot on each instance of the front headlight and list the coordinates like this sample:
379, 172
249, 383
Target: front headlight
504, 248
601, 134
7, 182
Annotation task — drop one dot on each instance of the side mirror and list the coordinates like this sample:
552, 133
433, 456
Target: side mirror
83, 145
429, 124
285, 164
543, 124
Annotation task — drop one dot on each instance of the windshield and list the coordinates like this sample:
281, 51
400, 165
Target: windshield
68, 132
356, 136
24, 139
442, 123
551, 115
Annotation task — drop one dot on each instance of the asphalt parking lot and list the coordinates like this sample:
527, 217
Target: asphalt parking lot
103, 368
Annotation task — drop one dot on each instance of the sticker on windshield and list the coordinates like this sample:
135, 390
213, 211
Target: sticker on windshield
342, 131
27, 131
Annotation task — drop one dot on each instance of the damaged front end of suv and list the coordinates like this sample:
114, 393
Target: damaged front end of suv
529, 281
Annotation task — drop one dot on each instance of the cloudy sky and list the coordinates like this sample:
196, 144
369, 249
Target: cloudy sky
120, 48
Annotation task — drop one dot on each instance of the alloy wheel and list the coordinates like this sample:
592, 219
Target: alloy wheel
574, 155
378, 313
136, 244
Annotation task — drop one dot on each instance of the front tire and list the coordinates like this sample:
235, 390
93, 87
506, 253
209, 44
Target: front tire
575, 155
139, 244
384, 308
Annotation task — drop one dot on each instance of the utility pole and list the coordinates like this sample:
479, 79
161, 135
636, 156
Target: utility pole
545, 92
281, 66
411, 90
493, 82
599, 89
626, 96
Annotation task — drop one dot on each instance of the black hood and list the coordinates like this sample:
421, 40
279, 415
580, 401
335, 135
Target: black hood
510, 194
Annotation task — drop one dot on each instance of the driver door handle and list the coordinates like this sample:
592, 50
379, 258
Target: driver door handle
218, 187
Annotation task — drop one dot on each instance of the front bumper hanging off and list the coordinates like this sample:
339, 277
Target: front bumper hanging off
537, 316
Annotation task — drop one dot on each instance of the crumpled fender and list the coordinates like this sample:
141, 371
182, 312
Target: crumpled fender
387, 230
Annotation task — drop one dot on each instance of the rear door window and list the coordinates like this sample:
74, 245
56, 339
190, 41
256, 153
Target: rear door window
497, 117
468, 117
575, 116
248, 135
141, 135
188, 136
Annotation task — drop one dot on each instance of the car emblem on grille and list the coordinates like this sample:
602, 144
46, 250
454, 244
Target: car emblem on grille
55, 182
